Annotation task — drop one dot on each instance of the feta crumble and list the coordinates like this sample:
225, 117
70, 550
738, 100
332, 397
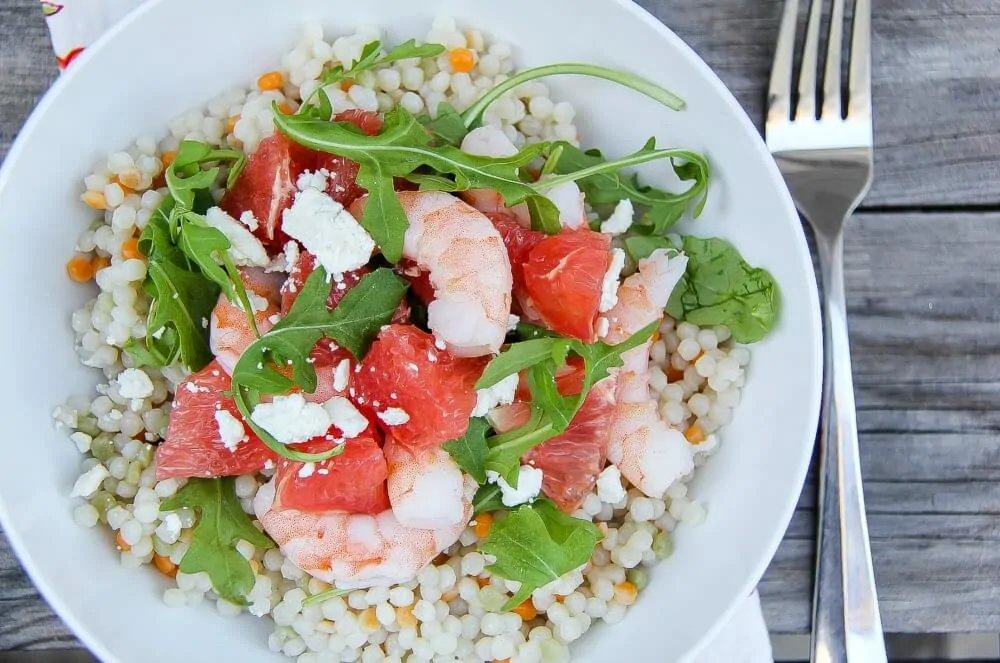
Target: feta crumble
307, 470
246, 249
290, 419
90, 481
328, 231
249, 220
609, 485
313, 180
342, 414
603, 326
609, 287
502, 393
342, 374
620, 220
529, 484
82, 441
170, 529
512, 321
394, 416
231, 430
134, 383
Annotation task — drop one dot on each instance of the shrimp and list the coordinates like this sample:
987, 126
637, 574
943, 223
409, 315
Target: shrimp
431, 503
468, 269
646, 450
230, 330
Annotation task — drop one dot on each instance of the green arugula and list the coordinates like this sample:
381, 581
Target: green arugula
488, 498
183, 252
551, 412
404, 146
662, 208
447, 127
637, 83
537, 544
643, 246
182, 302
469, 450
221, 524
323, 597
371, 58
353, 324
720, 288
398, 150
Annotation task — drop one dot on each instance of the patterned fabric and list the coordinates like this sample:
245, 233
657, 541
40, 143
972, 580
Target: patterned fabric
75, 24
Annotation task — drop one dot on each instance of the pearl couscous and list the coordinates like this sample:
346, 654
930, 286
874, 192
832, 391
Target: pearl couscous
454, 608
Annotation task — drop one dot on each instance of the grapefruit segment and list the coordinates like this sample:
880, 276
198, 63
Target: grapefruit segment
353, 482
193, 446
433, 389
563, 278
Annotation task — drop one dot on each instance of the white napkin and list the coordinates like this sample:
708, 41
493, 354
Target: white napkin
74, 24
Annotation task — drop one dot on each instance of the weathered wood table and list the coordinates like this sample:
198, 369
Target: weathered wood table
923, 279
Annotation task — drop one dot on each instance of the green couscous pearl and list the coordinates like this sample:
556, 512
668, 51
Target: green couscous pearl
103, 502
638, 577
134, 470
88, 424
146, 455
103, 447
663, 545
492, 598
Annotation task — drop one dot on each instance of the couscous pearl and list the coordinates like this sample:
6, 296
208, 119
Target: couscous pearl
707, 339
705, 365
688, 349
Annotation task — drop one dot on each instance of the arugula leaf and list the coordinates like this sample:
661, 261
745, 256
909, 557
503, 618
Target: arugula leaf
637, 83
516, 358
469, 451
370, 59
398, 150
353, 324
323, 597
527, 332
643, 246
544, 215
448, 127
221, 524
537, 544
663, 208
551, 411
182, 299
720, 288
488, 498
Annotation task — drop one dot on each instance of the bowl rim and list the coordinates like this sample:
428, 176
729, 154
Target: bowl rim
97, 646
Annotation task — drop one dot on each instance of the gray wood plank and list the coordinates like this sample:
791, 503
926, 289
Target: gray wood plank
935, 74
923, 302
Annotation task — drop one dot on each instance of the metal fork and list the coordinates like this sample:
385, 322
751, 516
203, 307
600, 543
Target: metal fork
826, 160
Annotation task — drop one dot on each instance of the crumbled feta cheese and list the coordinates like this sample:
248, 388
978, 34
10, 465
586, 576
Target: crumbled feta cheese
231, 430
394, 416
246, 249
502, 393
342, 414
134, 383
158, 333
512, 321
603, 326
529, 484
88, 482
192, 388
275, 319
290, 419
249, 220
307, 470
609, 485
313, 180
342, 374
328, 231
82, 441
170, 529
620, 220
268, 464
609, 287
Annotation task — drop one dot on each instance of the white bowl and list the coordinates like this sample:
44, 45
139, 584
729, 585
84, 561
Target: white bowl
172, 55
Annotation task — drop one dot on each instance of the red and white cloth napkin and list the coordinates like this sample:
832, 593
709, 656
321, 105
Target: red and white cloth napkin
75, 24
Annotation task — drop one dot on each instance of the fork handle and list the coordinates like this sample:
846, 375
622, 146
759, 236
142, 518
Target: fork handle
847, 627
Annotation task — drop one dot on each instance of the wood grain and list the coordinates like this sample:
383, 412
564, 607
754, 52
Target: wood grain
924, 300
